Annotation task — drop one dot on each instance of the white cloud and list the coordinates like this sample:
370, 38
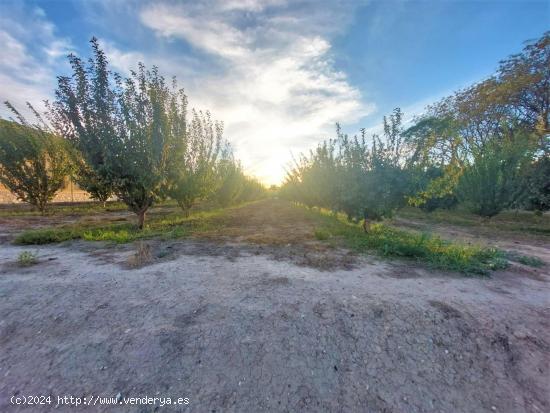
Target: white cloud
31, 52
278, 91
262, 66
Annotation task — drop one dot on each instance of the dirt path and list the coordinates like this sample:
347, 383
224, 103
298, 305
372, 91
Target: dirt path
234, 329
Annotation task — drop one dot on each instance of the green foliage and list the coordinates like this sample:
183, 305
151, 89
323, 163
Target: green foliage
423, 247
232, 185
33, 162
537, 182
525, 259
321, 234
126, 129
467, 136
133, 138
47, 236
99, 187
166, 227
193, 169
350, 175
27, 258
493, 180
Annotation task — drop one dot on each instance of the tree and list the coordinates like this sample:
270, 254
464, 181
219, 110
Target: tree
229, 179
537, 182
33, 162
193, 172
493, 179
350, 175
127, 130
99, 188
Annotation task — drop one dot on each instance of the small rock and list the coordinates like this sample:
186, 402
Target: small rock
118, 397
520, 334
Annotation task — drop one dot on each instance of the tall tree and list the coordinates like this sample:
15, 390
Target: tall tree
193, 171
126, 129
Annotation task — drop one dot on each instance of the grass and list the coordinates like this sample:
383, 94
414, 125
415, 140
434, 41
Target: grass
321, 234
424, 247
515, 221
170, 226
524, 259
27, 258
61, 209
270, 222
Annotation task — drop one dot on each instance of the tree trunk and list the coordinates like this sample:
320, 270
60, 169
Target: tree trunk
141, 218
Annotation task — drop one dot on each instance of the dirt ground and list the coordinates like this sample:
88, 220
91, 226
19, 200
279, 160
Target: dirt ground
258, 319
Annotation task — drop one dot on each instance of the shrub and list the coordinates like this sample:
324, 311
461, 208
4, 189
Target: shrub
27, 258
33, 162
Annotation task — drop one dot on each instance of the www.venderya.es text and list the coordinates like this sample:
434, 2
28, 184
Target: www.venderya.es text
96, 400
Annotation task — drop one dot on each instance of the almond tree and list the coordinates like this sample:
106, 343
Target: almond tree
34, 162
193, 173
127, 130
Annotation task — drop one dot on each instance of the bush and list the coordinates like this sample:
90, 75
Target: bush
352, 176
33, 162
493, 179
27, 258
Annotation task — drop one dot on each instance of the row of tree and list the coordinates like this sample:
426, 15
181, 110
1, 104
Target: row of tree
128, 137
486, 147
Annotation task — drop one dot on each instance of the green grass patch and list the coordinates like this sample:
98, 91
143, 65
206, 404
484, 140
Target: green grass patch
170, 226
62, 209
525, 259
424, 247
47, 235
321, 234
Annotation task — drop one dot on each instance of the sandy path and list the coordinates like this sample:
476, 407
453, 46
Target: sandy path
249, 333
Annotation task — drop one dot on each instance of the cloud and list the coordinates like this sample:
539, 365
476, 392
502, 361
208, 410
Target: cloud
264, 67
31, 54
278, 90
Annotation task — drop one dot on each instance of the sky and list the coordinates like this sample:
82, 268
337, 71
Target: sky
278, 73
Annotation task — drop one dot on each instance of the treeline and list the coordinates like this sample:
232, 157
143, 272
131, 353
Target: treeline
487, 147
129, 137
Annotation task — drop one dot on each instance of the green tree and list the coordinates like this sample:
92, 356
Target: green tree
493, 179
193, 171
537, 182
127, 130
351, 175
99, 188
229, 179
33, 162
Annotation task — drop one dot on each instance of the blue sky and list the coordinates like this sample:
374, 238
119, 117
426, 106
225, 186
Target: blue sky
279, 73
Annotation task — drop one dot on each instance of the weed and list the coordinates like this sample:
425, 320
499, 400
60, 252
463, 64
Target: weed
47, 236
322, 235
433, 250
525, 259
169, 226
27, 258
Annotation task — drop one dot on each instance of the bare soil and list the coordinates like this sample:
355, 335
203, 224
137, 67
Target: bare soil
259, 316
